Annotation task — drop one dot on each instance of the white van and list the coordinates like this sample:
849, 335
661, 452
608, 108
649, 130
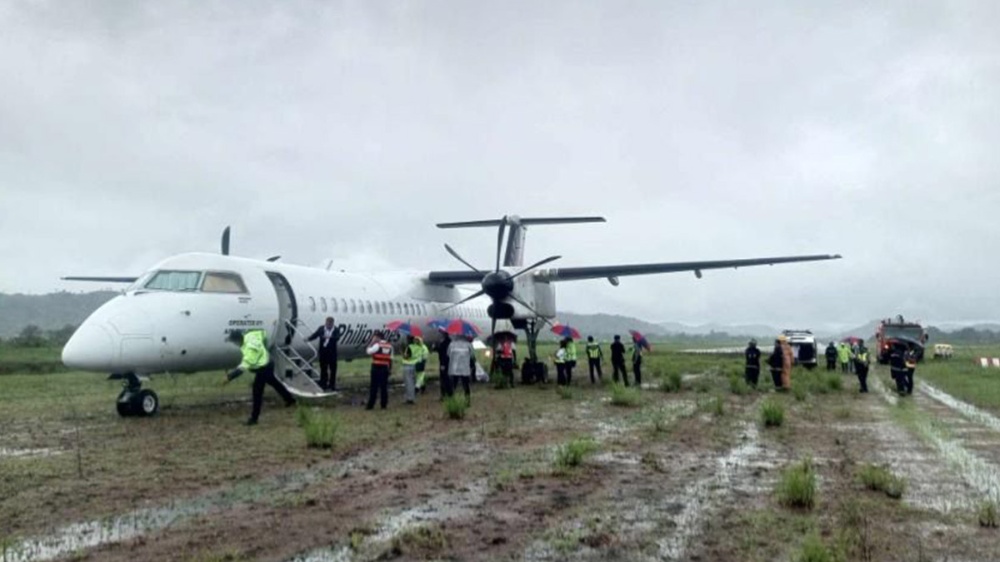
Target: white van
803, 345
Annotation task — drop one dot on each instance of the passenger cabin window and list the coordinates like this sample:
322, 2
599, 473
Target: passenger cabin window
333, 304
354, 306
322, 304
368, 306
343, 305
174, 281
312, 304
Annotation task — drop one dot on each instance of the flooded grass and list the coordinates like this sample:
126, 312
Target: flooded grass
797, 486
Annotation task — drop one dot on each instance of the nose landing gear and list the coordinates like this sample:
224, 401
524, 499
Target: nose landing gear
135, 400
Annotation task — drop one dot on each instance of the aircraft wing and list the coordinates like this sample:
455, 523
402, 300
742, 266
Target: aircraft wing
454, 277
103, 279
613, 271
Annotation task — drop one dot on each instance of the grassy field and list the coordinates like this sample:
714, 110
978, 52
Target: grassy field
963, 377
534, 472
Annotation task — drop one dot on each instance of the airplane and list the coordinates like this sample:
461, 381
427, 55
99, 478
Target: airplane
175, 317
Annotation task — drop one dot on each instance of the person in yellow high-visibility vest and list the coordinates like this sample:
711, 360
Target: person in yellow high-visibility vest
256, 359
411, 356
570, 360
594, 358
421, 365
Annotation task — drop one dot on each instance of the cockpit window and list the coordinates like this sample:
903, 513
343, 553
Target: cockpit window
174, 281
220, 282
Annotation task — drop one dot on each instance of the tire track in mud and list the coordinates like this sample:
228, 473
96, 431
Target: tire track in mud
948, 431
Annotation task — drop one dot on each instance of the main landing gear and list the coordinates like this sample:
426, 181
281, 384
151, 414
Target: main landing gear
532, 370
133, 399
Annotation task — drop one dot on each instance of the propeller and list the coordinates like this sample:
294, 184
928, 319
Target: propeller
498, 284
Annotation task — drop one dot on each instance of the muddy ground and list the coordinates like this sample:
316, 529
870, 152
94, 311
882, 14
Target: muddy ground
687, 475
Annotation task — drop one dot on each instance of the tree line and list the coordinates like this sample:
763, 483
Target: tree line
33, 336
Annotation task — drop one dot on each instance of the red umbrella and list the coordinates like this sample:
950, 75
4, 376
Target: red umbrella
404, 327
641, 340
459, 327
565, 331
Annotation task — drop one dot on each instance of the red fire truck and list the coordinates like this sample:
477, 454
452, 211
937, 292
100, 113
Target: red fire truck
898, 330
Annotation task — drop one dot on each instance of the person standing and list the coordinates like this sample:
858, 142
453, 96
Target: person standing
844, 356
637, 363
776, 361
831, 357
910, 361
460, 365
618, 360
328, 336
560, 360
897, 367
381, 353
421, 365
786, 363
411, 356
256, 359
570, 359
752, 372
594, 358
506, 354
861, 363
443, 374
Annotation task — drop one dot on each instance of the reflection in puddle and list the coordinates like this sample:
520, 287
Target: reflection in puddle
28, 453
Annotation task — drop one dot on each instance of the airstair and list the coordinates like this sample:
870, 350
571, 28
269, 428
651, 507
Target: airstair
295, 370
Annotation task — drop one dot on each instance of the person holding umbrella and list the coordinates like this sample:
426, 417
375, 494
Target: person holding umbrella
639, 343
460, 365
559, 358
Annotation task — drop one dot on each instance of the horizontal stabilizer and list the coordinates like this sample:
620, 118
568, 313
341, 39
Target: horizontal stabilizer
101, 279
609, 271
513, 220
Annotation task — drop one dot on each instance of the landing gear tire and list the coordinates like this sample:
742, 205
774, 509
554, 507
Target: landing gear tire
135, 400
146, 403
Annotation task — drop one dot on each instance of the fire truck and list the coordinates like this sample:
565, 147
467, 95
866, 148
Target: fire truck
898, 330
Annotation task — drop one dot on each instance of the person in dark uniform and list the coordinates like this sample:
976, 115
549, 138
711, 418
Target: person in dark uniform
637, 363
256, 359
594, 357
328, 336
381, 354
910, 361
445, 378
897, 367
861, 362
618, 360
831, 357
752, 372
776, 363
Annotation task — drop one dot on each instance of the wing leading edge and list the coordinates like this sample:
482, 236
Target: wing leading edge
611, 271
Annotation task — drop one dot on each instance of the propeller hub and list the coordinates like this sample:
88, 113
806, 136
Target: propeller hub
498, 285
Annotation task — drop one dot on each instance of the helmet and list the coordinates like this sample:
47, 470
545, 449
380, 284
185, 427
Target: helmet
753, 342
782, 337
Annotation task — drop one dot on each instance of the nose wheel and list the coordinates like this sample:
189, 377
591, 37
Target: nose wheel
135, 400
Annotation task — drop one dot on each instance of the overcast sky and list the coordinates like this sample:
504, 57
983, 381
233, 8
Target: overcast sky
130, 131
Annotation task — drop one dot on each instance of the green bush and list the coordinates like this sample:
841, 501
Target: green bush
320, 428
880, 479
672, 382
797, 486
813, 550
572, 454
772, 413
738, 385
455, 407
988, 515
622, 395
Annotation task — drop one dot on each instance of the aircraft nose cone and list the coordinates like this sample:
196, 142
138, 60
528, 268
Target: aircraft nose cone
90, 348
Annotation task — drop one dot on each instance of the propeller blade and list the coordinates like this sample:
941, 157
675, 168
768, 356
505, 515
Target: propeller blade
528, 306
274, 258
493, 327
225, 242
465, 300
503, 226
455, 255
533, 266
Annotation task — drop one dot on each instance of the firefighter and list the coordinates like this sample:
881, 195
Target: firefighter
255, 358
752, 372
506, 354
897, 367
775, 362
910, 360
861, 362
831, 357
786, 363
594, 358
381, 354
618, 360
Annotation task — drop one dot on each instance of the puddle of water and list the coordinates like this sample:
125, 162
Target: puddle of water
968, 410
28, 453
618, 458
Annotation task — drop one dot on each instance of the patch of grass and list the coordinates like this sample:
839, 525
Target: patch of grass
661, 422
856, 536
625, 396
572, 454
565, 392
702, 384
772, 413
813, 550
320, 428
673, 382
229, 555
988, 515
419, 542
714, 405
842, 413
797, 486
455, 407
881, 479
738, 385
800, 393
835, 382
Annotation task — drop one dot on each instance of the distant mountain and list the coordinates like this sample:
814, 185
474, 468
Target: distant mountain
48, 312
756, 330
605, 326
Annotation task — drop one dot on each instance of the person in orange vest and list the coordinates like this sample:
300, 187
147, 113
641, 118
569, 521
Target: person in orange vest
381, 354
786, 363
506, 354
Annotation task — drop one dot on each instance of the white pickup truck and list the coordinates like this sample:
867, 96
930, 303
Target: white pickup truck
803, 345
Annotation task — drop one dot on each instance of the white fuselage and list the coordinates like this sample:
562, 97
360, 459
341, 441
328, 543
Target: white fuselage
176, 317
